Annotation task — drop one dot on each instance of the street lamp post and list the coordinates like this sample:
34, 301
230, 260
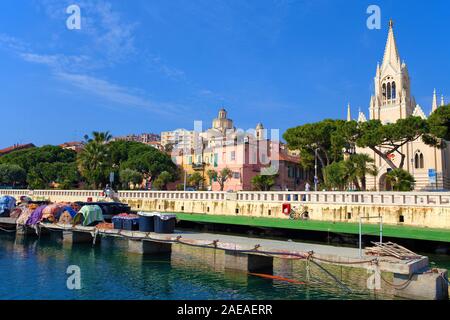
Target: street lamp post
316, 179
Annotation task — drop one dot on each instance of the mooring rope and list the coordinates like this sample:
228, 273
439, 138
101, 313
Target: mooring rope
330, 274
401, 286
6, 230
347, 263
310, 257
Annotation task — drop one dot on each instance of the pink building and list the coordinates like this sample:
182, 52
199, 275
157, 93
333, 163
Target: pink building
246, 153
253, 158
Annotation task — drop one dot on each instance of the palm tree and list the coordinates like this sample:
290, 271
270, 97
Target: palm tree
99, 137
335, 175
196, 180
351, 174
354, 171
400, 180
364, 165
263, 182
93, 160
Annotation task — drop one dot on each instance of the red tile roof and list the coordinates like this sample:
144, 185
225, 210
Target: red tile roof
15, 148
71, 144
286, 157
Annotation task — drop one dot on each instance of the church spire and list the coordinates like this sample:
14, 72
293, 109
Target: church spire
391, 55
434, 105
349, 113
442, 101
361, 116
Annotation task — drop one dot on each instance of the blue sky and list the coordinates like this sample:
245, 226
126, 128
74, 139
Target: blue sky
154, 65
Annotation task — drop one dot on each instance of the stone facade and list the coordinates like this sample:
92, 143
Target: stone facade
392, 101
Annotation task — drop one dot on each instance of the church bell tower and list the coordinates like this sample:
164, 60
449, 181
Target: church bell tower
392, 99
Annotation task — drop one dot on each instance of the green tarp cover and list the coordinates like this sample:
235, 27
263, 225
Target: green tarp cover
90, 214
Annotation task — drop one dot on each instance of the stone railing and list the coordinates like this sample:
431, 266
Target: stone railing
351, 198
49, 193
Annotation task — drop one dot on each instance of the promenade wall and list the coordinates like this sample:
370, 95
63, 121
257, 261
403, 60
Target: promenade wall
421, 209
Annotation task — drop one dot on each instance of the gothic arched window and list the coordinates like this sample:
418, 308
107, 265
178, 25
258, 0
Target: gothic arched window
419, 162
394, 92
389, 91
384, 91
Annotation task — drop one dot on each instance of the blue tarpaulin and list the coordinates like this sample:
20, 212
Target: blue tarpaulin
7, 203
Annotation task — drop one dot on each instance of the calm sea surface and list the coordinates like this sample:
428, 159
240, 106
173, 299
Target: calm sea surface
36, 269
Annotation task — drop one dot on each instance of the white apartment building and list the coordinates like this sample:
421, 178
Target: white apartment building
182, 138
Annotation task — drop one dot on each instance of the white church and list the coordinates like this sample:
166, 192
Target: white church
392, 100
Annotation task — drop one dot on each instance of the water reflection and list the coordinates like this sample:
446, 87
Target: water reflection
32, 268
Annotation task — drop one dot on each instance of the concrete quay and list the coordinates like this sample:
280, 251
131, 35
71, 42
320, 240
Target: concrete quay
401, 278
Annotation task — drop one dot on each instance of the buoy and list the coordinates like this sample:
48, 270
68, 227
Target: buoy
286, 208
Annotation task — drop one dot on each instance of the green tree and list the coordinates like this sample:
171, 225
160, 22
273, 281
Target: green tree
45, 165
44, 175
180, 187
102, 156
196, 180
12, 175
168, 148
316, 136
352, 171
221, 177
128, 176
121, 151
212, 175
263, 182
439, 123
336, 175
386, 139
68, 175
363, 165
151, 162
351, 174
29, 158
400, 180
94, 163
163, 179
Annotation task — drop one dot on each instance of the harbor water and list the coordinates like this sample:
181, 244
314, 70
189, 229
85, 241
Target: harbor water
32, 268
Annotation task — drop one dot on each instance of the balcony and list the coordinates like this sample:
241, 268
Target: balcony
198, 166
